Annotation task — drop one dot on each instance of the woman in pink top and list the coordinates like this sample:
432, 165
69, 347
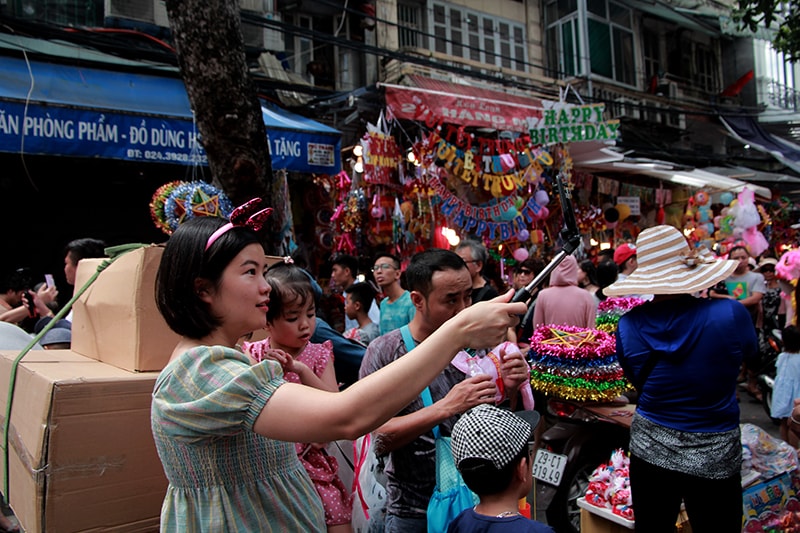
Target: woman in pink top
564, 302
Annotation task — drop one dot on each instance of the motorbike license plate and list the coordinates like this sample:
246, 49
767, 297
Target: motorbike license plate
549, 467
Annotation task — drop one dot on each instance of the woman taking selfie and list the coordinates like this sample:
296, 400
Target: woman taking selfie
224, 425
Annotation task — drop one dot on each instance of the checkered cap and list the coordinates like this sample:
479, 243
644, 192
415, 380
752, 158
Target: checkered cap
496, 435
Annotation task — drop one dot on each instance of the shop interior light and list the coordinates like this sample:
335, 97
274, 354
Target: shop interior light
359, 166
605, 245
451, 236
358, 150
592, 241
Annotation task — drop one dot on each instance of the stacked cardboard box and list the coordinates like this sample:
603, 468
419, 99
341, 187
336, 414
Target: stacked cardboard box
81, 453
116, 320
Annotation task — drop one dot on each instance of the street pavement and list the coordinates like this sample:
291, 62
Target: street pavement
751, 411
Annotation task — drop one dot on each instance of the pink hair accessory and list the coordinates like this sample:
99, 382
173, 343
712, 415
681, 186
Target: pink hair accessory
246, 215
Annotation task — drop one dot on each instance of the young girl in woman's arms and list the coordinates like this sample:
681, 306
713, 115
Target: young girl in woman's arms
291, 320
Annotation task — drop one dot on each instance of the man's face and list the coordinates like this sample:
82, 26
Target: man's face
629, 265
70, 266
385, 271
341, 276
473, 265
522, 277
742, 257
451, 291
350, 307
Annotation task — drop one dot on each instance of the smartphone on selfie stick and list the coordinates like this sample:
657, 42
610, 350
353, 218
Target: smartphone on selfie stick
569, 235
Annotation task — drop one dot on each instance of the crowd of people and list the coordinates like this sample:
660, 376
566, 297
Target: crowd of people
242, 426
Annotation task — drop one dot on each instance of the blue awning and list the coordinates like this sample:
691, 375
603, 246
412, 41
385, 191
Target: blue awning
68, 110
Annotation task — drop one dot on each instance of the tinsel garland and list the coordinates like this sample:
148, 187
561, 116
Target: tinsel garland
580, 389
610, 310
575, 363
571, 342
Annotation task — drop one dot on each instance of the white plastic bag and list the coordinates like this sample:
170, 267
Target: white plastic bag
369, 484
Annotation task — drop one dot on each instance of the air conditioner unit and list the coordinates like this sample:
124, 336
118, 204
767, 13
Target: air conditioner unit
625, 107
160, 13
673, 91
265, 38
141, 10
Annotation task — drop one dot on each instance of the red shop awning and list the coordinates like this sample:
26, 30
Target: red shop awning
434, 100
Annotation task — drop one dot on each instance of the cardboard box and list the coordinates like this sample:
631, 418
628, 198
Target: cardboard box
597, 520
116, 320
81, 453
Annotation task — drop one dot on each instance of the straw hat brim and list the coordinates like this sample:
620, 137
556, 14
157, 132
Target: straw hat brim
676, 278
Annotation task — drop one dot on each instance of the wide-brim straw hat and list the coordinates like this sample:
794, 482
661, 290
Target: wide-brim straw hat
668, 266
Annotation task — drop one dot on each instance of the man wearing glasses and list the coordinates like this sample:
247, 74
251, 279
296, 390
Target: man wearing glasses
475, 255
397, 309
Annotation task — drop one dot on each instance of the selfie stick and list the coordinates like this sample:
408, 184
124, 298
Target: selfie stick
569, 234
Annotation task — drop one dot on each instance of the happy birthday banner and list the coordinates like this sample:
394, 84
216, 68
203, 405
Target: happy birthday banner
485, 172
568, 123
478, 219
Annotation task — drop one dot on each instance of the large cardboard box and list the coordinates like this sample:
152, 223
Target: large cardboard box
116, 320
81, 452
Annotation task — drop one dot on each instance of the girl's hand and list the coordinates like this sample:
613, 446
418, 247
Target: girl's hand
286, 361
514, 370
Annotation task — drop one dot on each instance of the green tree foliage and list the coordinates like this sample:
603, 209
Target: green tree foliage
784, 16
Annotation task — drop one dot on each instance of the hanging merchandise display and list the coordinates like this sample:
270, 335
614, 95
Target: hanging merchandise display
177, 201
381, 154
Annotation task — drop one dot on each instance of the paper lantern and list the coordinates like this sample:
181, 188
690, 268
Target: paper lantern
624, 211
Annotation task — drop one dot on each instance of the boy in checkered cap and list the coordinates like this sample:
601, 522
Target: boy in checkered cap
493, 451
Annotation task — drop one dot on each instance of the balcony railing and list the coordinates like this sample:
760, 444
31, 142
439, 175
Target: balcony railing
783, 96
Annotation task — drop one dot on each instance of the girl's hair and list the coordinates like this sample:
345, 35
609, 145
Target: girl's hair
184, 261
607, 272
791, 339
591, 272
289, 284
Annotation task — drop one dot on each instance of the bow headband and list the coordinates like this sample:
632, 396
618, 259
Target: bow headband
697, 256
246, 215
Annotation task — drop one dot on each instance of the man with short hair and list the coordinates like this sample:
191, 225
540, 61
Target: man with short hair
358, 298
441, 287
397, 309
626, 261
475, 256
625, 258
85, 248
343, 274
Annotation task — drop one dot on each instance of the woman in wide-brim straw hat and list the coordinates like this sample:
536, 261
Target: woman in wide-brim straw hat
683, 354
